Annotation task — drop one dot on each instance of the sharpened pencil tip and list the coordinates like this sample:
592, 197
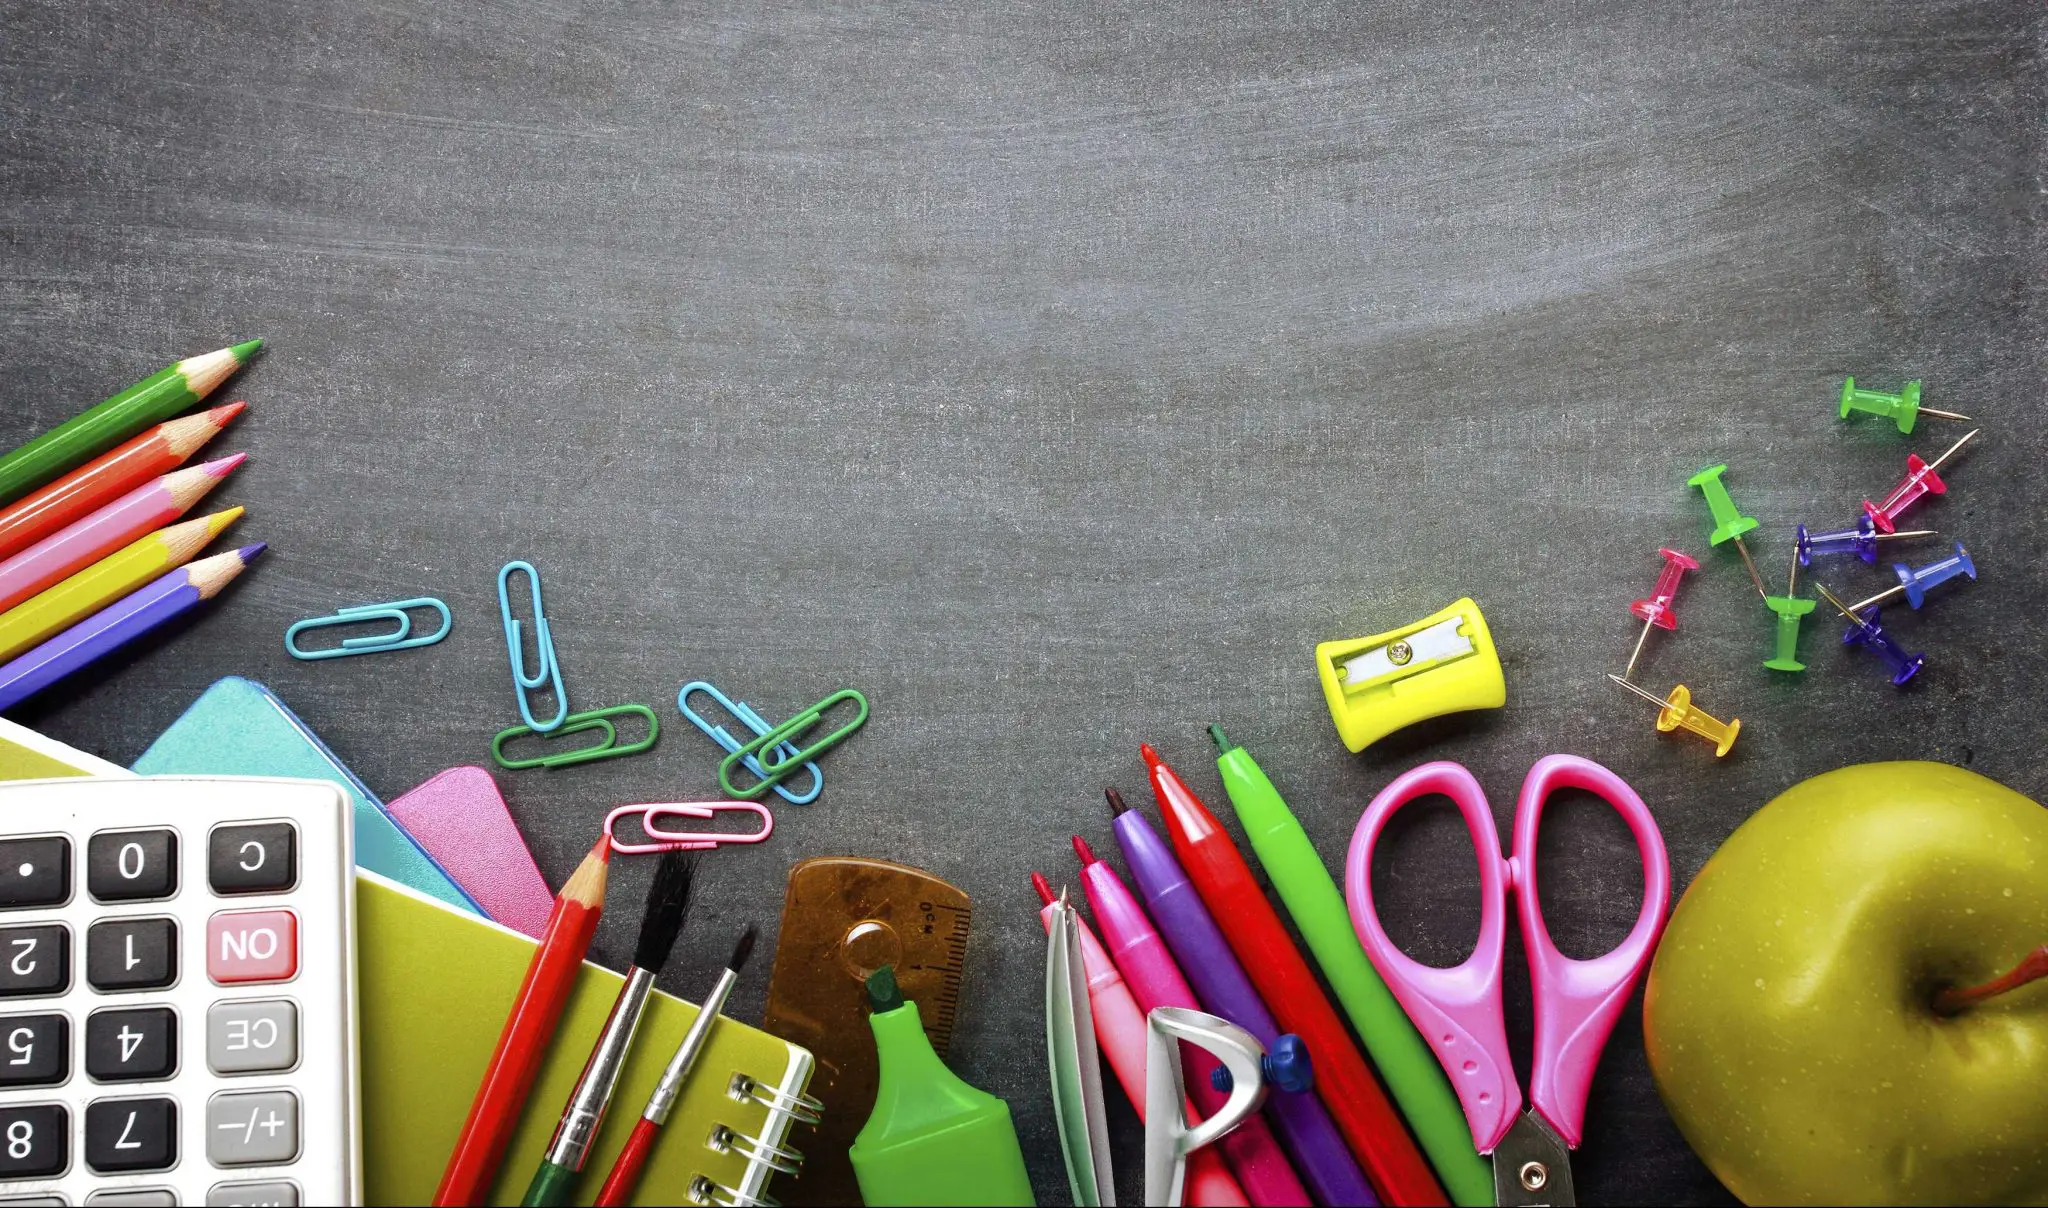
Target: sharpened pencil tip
1039, 883
243, 351
221, 467
602, 850
249, 553
1151, 756
1116, 803
1082, 850
225, 414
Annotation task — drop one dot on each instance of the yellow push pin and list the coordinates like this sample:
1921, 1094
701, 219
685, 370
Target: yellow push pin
1676, 710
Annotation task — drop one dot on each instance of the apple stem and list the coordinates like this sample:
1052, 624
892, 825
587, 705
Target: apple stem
2032, 967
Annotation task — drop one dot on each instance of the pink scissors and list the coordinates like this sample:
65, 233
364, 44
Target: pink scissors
1458, 1010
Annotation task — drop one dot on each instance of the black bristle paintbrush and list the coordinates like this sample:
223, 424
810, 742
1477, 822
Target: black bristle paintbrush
668, 903
625, 1176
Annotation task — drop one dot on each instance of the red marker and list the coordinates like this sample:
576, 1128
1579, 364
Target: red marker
1369, 1123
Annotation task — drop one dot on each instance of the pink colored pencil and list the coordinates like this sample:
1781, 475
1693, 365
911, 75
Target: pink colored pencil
1120, 1033
83, 542
1154, 980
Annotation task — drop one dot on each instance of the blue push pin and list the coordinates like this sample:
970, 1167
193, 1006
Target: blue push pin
1860, 541
1286, 1067
1913, 584
1864, 631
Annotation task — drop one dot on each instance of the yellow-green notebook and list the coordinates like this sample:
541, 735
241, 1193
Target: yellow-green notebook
27, 755
433, 986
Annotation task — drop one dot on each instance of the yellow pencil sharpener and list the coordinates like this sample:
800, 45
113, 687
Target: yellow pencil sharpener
1444, 663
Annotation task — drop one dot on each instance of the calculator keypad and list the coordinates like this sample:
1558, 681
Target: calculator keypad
176, 1001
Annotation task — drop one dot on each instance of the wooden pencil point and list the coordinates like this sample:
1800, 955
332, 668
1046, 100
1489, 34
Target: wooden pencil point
586, 885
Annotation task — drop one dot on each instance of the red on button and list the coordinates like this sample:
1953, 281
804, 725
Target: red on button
252, 946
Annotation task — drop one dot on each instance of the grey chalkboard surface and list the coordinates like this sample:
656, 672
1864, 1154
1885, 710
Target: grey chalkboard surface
1059, 374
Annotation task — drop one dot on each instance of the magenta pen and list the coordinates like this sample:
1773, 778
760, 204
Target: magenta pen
1155, 981
1304, 1124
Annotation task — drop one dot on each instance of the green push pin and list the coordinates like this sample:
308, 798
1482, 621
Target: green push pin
1789, 610
1729, 523
1903, 408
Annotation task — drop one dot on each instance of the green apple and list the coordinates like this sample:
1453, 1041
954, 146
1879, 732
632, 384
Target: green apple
1791, 1016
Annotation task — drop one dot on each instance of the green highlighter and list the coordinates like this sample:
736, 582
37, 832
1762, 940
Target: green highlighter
1317, 908
932, 1139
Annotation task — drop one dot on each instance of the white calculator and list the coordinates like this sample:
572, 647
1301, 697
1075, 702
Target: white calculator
177, 992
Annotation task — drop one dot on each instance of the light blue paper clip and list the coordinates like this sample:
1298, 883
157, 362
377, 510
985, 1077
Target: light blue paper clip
759, 725
370, 643
549, 673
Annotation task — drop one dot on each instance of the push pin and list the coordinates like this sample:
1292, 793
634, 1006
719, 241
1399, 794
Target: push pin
1860, 541
1920, 479
1913, 584
1658, 609
1729, 524
1867, 633
1676, 710
1786, 655
1903, 408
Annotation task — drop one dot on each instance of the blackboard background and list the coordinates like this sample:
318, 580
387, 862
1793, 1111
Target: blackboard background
1059, 374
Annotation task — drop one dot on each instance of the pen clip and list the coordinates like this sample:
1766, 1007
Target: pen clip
671, 840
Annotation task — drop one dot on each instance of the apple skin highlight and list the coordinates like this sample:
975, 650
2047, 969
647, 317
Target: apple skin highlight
1790, 1016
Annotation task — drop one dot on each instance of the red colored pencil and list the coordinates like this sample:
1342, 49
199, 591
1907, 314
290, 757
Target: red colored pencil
529, 1027
81, 543
1371, 1126
158, 451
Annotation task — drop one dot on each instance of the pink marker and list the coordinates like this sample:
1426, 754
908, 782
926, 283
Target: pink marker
1154, 980
1120, 1032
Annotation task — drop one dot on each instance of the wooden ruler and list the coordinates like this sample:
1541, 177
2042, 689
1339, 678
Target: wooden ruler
845, 917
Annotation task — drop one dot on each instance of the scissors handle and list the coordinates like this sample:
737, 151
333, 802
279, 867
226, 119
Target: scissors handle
1458, 1009
1577, 1001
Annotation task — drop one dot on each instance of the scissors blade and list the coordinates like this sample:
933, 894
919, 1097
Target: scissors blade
1532, 1166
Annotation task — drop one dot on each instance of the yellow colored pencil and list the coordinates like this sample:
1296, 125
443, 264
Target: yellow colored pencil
106, 581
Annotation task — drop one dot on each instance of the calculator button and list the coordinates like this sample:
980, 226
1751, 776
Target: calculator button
245, 1037
50, 1201
130, 866
35, 872
35, 1050
131, 1045
259, 857
34, 960
34, 1141
253, 1195
131, 1134
252, 946
256, 1128
139, 1197
131, 954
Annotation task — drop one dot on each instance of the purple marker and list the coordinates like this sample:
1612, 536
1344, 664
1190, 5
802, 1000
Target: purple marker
1305, 1127
120, 623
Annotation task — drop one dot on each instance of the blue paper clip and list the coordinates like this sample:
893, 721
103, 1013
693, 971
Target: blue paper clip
549, 674
760, 726
370, 643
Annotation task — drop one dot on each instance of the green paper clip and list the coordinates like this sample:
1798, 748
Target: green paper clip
577, 723
1789, 610
776, 771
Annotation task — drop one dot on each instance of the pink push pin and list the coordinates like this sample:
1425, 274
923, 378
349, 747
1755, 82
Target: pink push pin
1920, 479
1658, 609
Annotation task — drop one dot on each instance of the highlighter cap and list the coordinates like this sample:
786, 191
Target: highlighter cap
883, 992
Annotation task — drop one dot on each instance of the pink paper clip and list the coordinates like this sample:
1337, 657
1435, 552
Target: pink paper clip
668, 840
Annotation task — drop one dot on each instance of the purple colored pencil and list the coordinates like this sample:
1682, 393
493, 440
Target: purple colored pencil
1304, 1124
120, 623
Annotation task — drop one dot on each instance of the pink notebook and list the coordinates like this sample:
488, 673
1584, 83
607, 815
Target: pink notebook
461, 819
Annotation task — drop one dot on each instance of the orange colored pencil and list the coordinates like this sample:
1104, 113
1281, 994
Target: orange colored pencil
158, 451
529, 1027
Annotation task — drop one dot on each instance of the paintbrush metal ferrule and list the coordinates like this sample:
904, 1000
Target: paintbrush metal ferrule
573, 1136
695, 1041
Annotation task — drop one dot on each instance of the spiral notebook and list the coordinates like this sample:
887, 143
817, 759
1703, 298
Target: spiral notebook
433, 985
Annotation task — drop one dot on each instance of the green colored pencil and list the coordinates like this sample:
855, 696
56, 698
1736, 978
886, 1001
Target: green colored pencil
152, 400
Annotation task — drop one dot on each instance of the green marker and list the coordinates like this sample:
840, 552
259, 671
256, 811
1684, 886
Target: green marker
932, 1139
1405, 1064
154, 399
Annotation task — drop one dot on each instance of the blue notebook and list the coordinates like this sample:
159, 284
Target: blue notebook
238, 727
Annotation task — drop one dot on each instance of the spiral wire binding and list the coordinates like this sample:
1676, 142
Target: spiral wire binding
802, 1108
705, 1191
